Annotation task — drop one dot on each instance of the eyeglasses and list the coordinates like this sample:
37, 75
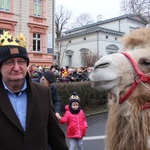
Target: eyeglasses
20, 62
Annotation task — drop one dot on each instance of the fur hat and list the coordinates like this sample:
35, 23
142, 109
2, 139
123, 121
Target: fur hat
49, 75
74, 98
11, 47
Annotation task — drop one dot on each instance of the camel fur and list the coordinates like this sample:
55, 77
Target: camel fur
128, 126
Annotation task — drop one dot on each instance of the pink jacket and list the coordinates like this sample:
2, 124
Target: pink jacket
76, 123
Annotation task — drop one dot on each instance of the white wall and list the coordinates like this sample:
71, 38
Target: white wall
97, 41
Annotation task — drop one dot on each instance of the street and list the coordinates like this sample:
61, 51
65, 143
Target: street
95, 137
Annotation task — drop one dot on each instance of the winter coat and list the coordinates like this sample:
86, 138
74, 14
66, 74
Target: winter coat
42, 127
76, 123
55, 99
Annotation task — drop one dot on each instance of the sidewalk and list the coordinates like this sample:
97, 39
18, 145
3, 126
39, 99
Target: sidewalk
96, 111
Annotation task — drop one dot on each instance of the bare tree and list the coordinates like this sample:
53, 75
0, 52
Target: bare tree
139, 7
62, 52
62, 18
89, 58
83, 19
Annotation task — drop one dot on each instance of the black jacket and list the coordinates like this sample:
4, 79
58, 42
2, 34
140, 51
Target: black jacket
56, 99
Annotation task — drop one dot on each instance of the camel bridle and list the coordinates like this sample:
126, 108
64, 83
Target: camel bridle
140, 77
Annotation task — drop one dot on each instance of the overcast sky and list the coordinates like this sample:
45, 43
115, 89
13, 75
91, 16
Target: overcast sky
106, 8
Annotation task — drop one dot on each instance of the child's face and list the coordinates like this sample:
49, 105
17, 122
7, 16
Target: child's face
75, 105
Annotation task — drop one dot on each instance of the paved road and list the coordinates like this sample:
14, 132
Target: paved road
95, 137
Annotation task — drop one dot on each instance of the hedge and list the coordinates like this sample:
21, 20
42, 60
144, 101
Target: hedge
89, 97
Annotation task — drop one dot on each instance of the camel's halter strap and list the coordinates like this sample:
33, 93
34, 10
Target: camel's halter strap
140, 77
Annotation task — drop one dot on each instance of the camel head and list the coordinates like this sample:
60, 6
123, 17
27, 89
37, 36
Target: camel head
126, 77
115, 72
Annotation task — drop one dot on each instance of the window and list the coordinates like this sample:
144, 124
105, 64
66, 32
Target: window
36, 42
37, 8
1, 31
84, 55
5, 5
55, 57
70, 60
69, 55
111, 49
111, 53
85, 58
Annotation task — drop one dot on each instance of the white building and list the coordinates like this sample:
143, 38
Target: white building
101, 38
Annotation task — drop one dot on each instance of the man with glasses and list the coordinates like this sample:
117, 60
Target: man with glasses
27, 118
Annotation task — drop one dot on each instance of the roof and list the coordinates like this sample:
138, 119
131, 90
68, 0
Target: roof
91, 30
137, 18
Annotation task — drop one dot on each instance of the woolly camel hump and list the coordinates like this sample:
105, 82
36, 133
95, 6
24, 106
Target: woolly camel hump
128, 125
137, 38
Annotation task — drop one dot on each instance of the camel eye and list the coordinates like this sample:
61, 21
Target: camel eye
103, 65
145, 62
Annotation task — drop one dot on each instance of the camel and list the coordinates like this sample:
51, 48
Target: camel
126, 77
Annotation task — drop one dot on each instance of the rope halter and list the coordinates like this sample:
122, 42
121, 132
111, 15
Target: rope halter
141, 77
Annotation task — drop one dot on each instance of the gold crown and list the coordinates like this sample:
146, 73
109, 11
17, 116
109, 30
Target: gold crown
7, 39
74, 97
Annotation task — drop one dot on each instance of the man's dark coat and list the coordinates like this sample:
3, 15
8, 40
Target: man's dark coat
41, 124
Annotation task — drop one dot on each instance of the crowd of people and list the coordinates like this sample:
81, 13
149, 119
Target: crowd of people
66, 74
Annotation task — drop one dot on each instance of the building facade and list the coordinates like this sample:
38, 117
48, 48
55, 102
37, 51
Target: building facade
101, 38
35, 19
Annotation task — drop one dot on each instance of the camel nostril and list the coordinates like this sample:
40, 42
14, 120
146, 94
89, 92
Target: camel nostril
103, 65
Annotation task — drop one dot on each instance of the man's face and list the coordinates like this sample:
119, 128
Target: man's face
14, 69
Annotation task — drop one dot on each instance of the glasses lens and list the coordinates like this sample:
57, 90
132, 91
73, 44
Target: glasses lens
12, 62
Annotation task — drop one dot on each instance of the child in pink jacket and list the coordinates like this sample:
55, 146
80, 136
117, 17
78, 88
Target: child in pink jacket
76, 122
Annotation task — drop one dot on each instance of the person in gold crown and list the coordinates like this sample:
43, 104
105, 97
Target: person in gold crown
27, 118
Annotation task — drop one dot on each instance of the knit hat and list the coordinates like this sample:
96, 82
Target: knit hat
11, 47
74, 98
49, 75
